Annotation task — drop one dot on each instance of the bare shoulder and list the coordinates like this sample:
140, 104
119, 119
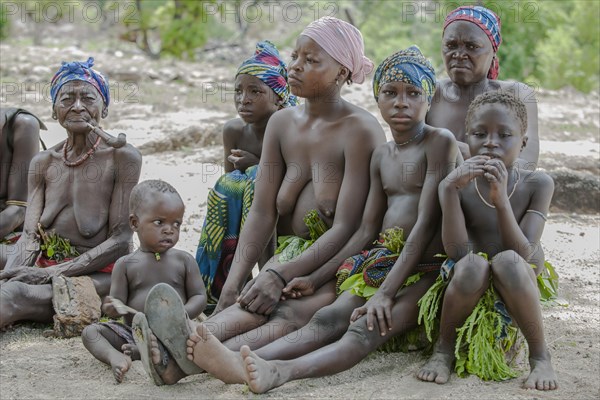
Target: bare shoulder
440, 141
282, 120
181, 256
518, 89
441, 86
42, 159
28, 121
383, 150
285, 115
128, 153
125, 262
233, 128
437, 135
361, 124
537, 180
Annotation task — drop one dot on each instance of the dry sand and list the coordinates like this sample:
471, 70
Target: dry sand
32, 366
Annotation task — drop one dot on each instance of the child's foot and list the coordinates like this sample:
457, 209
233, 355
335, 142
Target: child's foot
438, 368
169, 373
203, 348
261, 375
120, 366
156, 360
131, 350
542, 375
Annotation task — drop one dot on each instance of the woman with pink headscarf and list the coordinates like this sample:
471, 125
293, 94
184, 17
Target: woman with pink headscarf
311, 186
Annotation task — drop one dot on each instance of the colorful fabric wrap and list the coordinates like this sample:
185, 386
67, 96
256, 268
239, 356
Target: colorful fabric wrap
228, 206
267, 65
488, 22
43, 262
364, 273
408, 66
11, 238
343, 42
80, 71
121, 330
290, 247
488, 342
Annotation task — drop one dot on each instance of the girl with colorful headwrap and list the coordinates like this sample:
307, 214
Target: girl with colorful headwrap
260, 89
470, 42
79, 190
404, 176
314, 167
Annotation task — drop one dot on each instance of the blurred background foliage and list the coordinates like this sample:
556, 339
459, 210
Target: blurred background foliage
544, 42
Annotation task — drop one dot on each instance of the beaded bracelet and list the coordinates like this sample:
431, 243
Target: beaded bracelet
278, 275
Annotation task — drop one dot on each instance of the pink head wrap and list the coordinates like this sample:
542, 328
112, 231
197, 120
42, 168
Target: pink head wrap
343, 42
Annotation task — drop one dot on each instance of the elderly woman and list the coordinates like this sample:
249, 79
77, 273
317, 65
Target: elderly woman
78, 189
470, 44
19, 142
312, 183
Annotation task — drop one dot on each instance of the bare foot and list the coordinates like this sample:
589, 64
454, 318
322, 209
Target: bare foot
120, 366
542, 375
207, 352
131, 350
261, 375
171, 373
438, 368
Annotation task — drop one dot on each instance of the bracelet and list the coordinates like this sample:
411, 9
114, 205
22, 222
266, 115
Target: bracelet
278, 275
16, 203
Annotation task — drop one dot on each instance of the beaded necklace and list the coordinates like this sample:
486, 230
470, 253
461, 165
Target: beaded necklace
411, 139
81, 159
509, 196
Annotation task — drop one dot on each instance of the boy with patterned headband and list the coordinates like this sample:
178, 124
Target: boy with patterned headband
493, 217
403, 203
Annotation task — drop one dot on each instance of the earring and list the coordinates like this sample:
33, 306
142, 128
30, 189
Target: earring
54, 115
337, 83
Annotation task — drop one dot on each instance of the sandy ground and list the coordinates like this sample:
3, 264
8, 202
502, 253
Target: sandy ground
32, 366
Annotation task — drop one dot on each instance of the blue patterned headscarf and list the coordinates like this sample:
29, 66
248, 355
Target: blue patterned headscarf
80, 71
408, 66
488, 22
267, 65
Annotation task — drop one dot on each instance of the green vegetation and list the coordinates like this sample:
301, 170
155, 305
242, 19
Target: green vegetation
549, 43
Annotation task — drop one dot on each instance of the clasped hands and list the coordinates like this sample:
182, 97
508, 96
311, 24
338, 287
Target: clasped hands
242, 159
492, 169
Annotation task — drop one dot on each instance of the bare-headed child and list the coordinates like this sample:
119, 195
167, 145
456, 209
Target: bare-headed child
492, 206
156, 213
405, 174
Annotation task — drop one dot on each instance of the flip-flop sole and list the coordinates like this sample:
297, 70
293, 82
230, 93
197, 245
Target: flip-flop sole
141, 336
169, 323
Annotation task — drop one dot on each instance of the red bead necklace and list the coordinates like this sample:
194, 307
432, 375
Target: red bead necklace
81, 159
